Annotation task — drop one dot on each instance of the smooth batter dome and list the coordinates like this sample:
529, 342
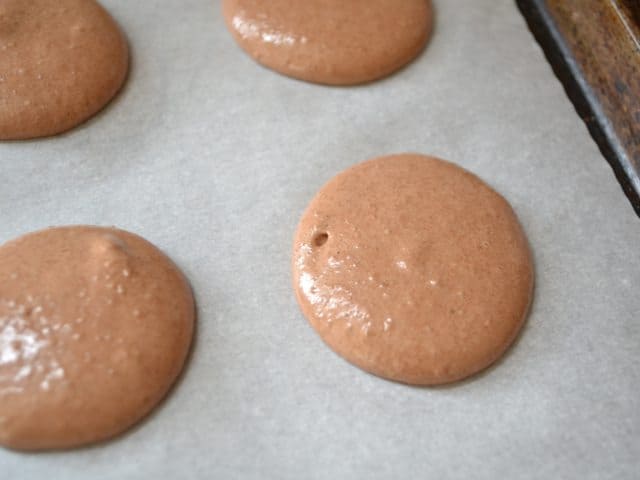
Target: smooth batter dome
413, 269
61, 61
95, 325
334, 42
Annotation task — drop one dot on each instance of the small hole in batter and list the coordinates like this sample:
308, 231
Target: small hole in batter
320, 239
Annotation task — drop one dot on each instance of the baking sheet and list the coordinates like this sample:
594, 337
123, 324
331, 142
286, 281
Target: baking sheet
214, 159
596, 55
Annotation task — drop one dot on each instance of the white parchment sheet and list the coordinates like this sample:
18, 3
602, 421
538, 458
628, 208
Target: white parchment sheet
214, 158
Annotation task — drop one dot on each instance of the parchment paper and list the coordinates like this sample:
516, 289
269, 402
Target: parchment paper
214, 158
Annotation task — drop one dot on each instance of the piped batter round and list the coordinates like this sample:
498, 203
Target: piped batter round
333, 42
413, 269
61, 61
95, 325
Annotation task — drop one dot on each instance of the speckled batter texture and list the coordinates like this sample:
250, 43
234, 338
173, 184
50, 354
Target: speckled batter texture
95, 325
333, 42
61, 61
413, 269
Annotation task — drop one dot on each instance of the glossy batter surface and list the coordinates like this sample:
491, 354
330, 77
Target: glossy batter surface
413, 269
61, 61
95, 325
332, 42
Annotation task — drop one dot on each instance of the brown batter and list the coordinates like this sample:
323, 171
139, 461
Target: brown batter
334, 42
413, 269
61, 61
95, 325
